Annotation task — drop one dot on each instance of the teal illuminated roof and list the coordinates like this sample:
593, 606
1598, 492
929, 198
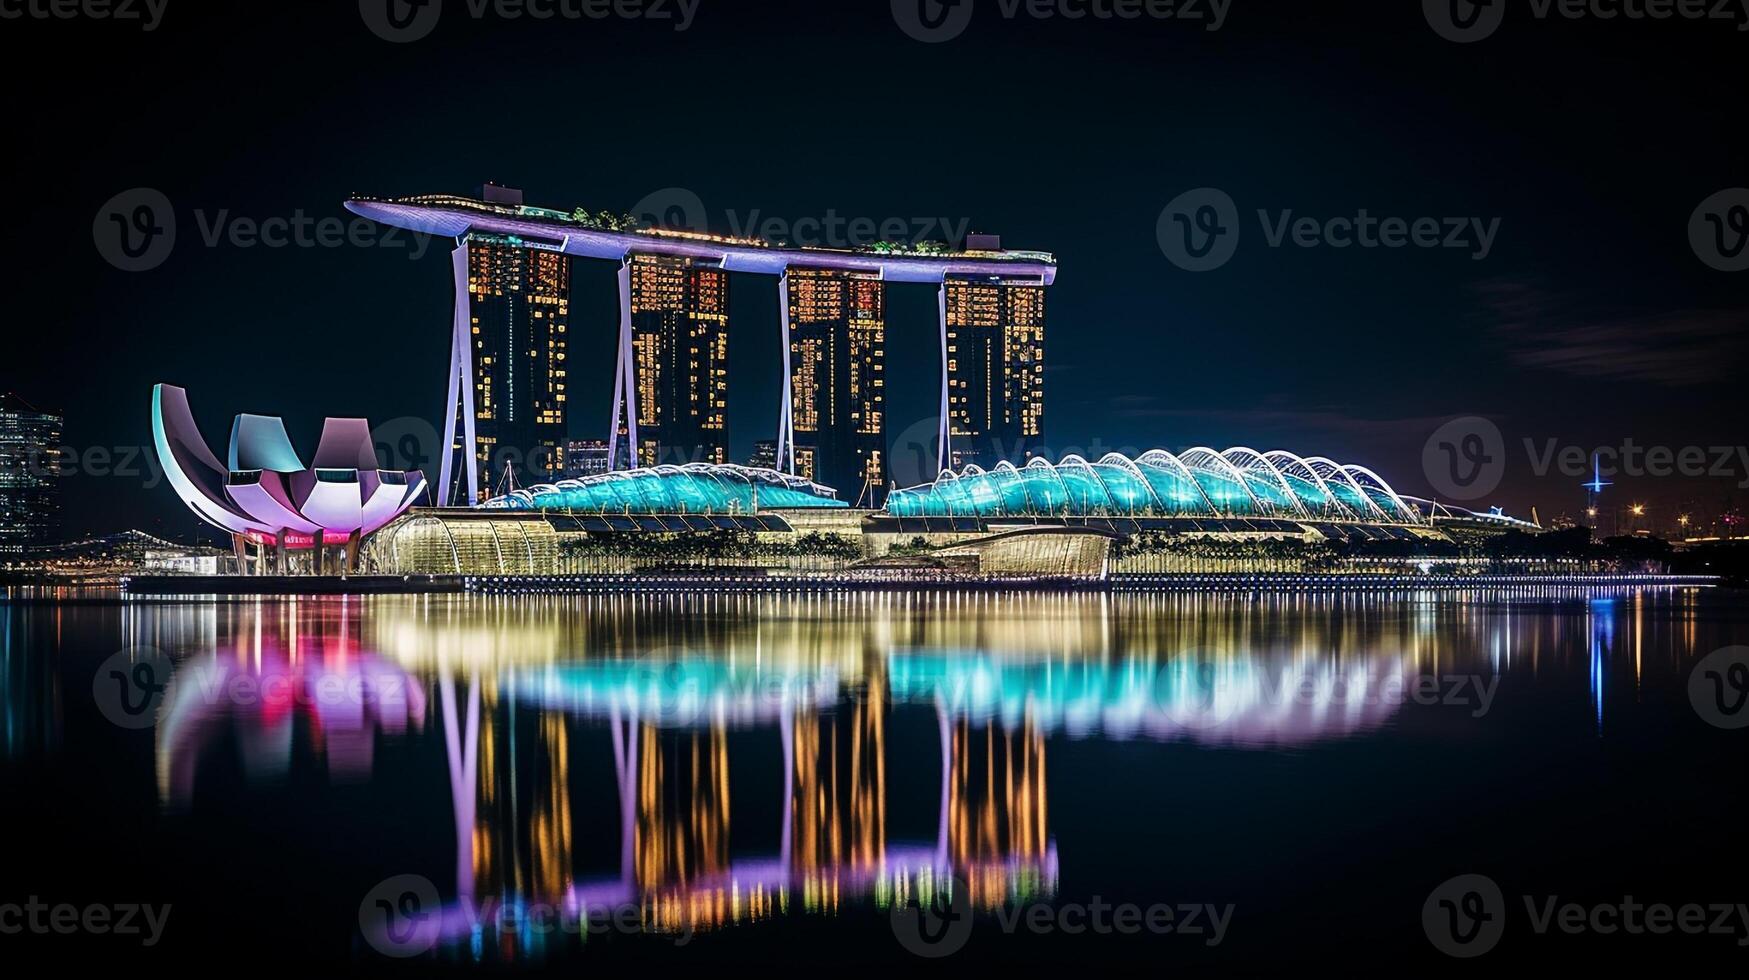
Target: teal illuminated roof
1198, 483
698, 488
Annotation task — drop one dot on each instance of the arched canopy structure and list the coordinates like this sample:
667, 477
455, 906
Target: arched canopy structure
1237, 483
698, 488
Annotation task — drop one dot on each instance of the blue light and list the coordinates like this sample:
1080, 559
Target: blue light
1597, 481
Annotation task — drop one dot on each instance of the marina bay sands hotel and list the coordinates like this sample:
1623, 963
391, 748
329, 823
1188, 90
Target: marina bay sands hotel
510, 355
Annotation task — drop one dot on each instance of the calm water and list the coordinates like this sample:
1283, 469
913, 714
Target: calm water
776, 782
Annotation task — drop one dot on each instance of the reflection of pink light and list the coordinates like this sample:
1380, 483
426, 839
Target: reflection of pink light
348, 698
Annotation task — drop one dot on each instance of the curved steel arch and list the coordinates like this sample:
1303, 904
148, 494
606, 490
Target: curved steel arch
958, 497
1042, 467
1408, 513
1192, 457
981, 487
1122, 462
1255, 460
1075, 463
1285, 461
1005, 476
707, 474
1163, 460
1329, 468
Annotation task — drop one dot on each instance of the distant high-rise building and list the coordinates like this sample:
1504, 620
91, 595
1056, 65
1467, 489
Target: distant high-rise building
837, 382
678, 384
520, 313
764, 455
995, 370
30, 459
585, 457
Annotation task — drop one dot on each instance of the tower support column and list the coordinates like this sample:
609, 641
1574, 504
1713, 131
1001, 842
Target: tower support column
786, 424
460, 401
625, 388
944, 457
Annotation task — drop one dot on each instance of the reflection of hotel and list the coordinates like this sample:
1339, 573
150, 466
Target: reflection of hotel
679, 864
992, 684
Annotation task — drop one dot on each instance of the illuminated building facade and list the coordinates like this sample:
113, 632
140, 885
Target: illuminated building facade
30, 448
519, 312
834, 429
1197, 483
764, 455
672, 398
995, 370
586, 458
674, 329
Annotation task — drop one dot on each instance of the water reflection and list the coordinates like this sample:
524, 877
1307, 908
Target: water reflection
678, 866
741, 754
276, 672
28, 698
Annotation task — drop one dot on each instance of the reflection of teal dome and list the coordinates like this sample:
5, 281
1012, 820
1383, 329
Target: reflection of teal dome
698, 488
1198, 483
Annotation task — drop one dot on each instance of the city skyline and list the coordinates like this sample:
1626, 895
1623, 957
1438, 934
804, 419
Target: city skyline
30, 447
1590, 322
612, 486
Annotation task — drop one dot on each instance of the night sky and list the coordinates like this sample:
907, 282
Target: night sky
1591, 321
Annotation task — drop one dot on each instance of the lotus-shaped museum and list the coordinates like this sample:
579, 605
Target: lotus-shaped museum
263, 494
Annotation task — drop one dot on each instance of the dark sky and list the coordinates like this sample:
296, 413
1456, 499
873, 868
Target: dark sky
1592, 320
